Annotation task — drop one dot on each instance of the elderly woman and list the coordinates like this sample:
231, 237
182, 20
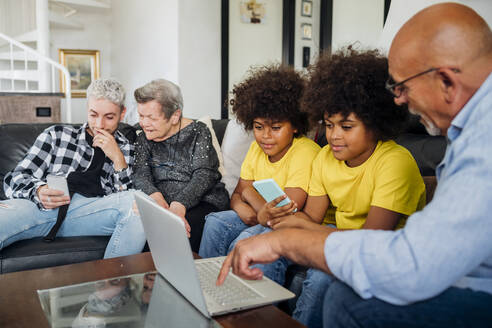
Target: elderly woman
175, 161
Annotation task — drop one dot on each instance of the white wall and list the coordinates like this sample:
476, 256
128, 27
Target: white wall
200, 57
253, 44
180, 40
96, 35
401, 10
355, 20
17, 16
144, 43
171, 39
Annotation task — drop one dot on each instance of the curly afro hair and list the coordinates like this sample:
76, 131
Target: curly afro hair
352, 81
273, 93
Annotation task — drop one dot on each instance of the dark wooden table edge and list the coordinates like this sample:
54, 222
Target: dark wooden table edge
20, 307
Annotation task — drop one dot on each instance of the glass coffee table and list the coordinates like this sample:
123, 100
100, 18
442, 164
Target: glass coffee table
112, 290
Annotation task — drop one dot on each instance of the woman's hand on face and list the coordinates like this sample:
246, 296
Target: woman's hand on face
180, 210
270, 210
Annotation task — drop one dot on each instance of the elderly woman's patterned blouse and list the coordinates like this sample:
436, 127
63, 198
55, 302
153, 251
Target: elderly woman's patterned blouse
183, 168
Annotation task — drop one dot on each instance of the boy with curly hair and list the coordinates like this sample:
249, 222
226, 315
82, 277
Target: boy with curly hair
362, 179
267, 102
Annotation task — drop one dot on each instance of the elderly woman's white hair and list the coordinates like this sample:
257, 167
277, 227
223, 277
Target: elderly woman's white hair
166, 93
109, 89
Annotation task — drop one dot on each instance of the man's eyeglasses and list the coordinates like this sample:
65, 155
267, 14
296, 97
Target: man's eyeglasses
396, 88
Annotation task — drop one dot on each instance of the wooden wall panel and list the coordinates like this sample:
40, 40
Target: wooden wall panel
16, 108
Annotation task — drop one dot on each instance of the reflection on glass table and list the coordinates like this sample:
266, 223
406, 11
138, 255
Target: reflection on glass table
139, 300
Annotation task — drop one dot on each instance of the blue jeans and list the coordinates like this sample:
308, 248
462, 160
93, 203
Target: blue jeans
309, 305
275, 270
220, 229
111, 215
454, 307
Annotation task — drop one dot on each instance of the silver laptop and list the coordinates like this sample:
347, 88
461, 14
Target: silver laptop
166, 302
195, 279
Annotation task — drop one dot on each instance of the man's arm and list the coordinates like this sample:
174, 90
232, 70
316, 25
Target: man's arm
301, 246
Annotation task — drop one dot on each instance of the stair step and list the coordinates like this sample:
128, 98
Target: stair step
30, 75
18, 55
85, 3
58, 20
31, 36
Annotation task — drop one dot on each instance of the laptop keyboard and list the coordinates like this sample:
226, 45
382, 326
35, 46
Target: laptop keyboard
232, 291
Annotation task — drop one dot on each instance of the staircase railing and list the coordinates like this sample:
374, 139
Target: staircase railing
13, 76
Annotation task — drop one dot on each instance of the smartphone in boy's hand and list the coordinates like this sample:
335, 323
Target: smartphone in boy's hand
58, 182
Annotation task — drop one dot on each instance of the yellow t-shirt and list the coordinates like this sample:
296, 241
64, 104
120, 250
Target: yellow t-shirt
389, 179
293, 170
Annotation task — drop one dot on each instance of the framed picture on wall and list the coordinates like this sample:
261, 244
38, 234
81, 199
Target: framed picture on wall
83, 66
307, 31
252, 11
307, 8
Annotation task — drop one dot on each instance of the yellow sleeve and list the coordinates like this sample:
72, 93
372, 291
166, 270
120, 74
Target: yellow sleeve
247, 167
399, 187
316, 186
299, 172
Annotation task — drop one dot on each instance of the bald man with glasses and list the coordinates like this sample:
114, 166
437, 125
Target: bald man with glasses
437, 270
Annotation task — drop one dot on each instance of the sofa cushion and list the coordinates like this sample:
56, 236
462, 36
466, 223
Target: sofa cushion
208, 122
427, 150
234, 148
15, 141
35, 254
219, 128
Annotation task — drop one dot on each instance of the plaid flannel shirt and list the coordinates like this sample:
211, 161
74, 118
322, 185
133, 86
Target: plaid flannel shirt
60, 150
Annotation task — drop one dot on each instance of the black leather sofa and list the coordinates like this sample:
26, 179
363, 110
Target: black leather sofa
15, 141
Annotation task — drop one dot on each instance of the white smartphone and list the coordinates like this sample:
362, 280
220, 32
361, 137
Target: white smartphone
270, 190
58, 182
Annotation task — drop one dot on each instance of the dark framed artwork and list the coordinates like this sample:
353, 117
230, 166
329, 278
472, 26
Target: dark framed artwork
307, 31
306, 8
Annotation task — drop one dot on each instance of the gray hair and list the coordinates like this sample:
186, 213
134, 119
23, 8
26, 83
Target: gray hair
109, 89
166, 93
